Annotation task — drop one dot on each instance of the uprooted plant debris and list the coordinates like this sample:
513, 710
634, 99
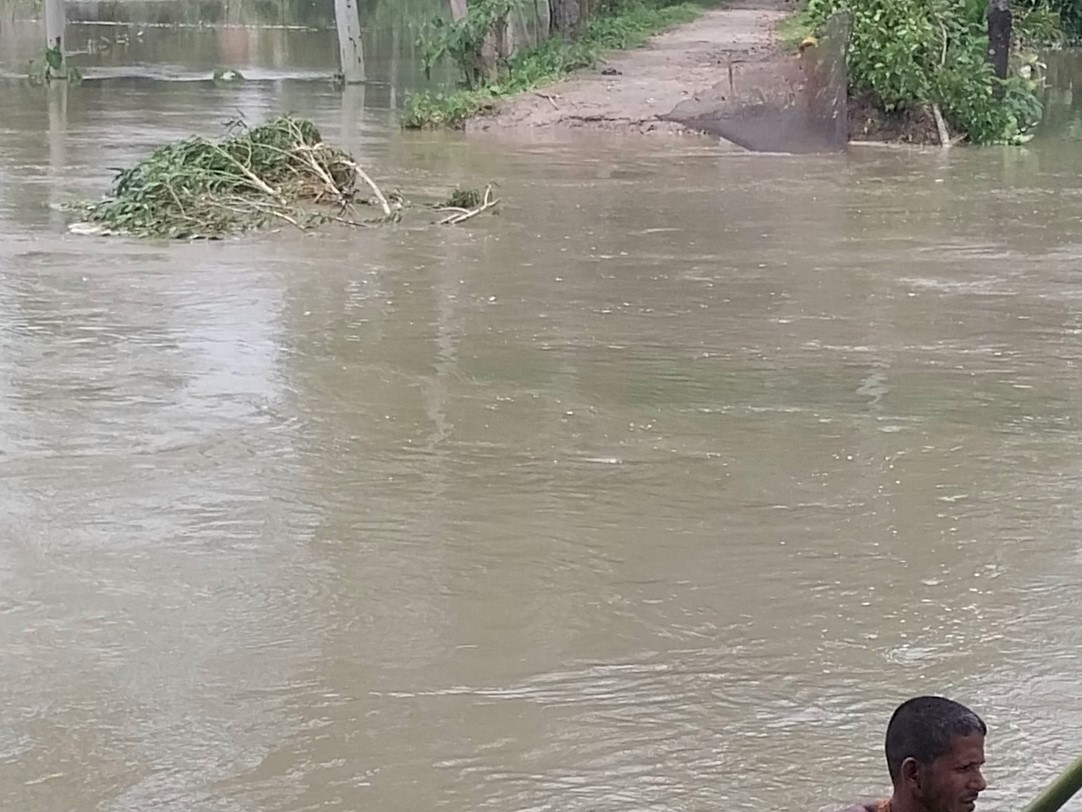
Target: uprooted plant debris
463, 199
465, 204
278, 172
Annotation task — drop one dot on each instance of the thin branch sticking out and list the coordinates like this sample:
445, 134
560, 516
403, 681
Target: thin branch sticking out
462, 215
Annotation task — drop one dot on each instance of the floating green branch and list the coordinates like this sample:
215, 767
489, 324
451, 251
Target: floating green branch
278, 172
463, 199
254, 177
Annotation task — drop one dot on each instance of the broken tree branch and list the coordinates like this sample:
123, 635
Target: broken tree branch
487, 203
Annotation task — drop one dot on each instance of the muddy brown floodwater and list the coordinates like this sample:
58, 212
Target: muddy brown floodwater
656, 492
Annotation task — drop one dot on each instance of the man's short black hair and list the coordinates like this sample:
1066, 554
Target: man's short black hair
922, 729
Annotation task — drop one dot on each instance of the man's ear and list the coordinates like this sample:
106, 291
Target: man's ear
910, 774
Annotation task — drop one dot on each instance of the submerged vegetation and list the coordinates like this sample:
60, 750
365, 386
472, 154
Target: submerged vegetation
54, 67
487, 77
908, 54
279, 172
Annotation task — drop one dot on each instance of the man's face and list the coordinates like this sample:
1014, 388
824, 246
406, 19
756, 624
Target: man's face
953, 781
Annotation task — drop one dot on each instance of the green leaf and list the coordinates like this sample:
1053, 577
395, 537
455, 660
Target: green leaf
54, 57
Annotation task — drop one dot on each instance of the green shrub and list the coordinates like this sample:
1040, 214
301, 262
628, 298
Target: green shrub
922, 52
1068, 13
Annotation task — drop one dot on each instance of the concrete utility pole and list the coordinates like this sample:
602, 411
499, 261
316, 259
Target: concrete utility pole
458, 9
352, 111
57, 93
999, 36
55, 42
350, 49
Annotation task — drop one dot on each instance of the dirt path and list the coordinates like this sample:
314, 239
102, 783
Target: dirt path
632, 90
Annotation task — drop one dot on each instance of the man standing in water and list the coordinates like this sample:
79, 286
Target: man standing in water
935, 751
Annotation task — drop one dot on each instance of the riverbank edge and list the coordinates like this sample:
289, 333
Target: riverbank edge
550, 63
637, 91
755, 32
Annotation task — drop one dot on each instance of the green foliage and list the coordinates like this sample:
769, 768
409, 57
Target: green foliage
444, 110
54, 57
974, 100
1037, 26
53, 68
464, 40
893, 45
637, 21
463, 199
625, 25
796, 27
922, 52
1068, 13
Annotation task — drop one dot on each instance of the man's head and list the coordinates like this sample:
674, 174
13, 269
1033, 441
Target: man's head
935, 751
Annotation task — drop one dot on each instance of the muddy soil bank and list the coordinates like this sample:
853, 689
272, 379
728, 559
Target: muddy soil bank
634, 91
724, 74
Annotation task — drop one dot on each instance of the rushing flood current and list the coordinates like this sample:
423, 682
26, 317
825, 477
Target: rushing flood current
656, 492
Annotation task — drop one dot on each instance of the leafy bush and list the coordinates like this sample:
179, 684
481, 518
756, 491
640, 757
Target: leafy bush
893, 44
464, 40
924, 52
1068, 13
975, 101
1037, 25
